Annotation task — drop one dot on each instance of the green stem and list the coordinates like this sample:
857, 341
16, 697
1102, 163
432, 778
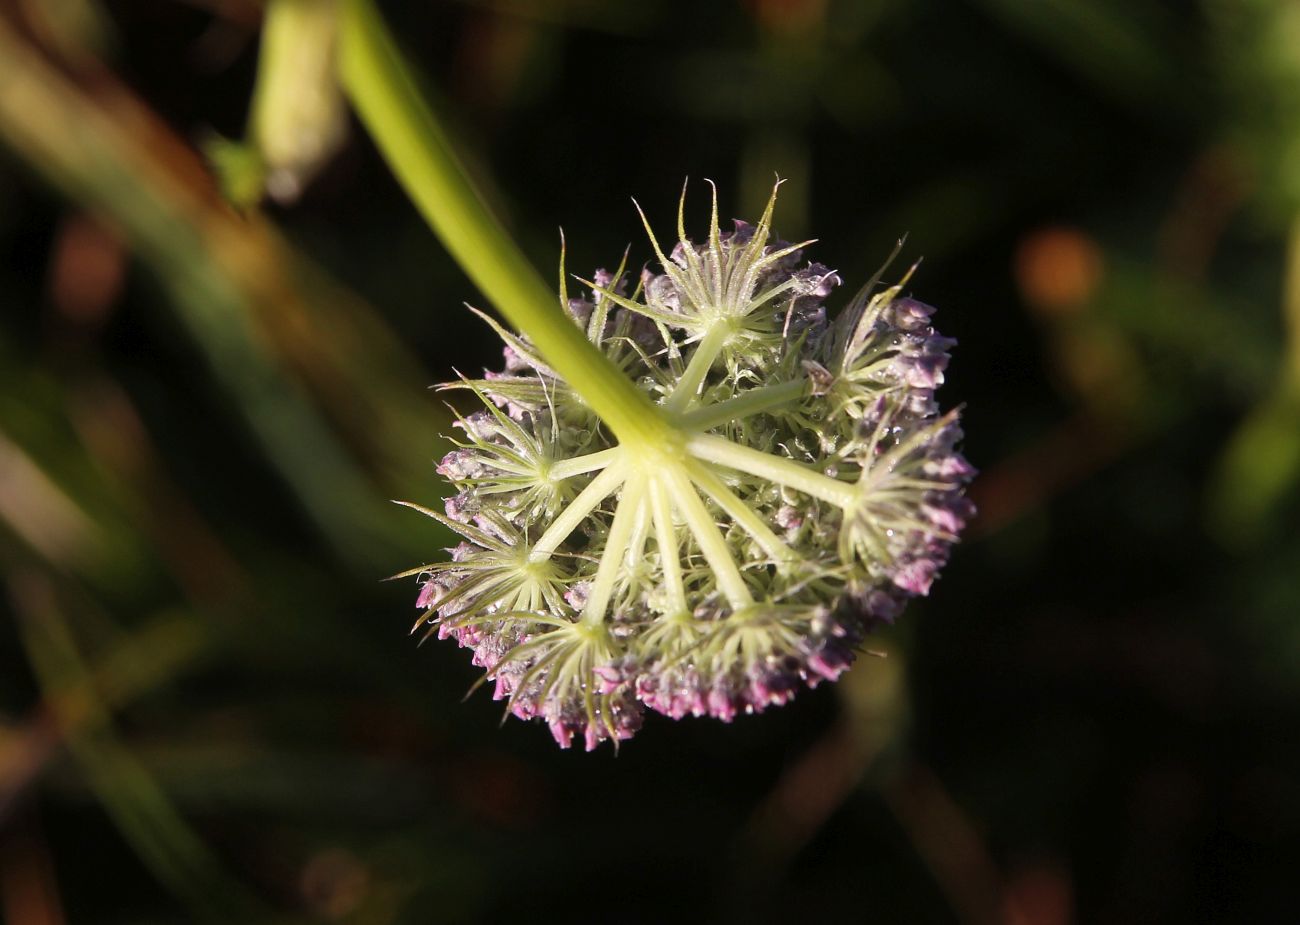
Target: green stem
746, 404
635, 554
421, 155
744, 515
669, 556
600, 488
567, 468
706, 351
613, 557
709, 537
777, 469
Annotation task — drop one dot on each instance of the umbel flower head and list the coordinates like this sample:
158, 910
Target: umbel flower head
797, 486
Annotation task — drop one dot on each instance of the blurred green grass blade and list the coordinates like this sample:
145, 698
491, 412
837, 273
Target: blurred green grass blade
135, 665
1204, 328
73, 27
151, 655
317, 786
57, 497
1261, 464
1107, 42
141, 810
94, 160
40, 513
1258, 469
1257, 46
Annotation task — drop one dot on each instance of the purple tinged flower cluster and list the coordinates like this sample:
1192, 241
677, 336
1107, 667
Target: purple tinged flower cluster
678, 687
591, 588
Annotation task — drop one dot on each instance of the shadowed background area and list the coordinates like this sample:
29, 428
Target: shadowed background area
209, 706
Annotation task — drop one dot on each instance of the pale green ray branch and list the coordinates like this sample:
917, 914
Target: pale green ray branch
578, 465
740, 512
706, 352
709, 537
600, 488
613, 558
669, 552
745, 405
778, 469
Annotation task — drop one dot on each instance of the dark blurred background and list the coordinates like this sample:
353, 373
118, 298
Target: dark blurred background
209, 705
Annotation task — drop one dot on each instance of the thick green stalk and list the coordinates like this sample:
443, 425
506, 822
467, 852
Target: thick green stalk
421, 155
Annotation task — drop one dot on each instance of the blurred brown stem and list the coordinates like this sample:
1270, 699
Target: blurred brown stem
29, 892
950, 846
